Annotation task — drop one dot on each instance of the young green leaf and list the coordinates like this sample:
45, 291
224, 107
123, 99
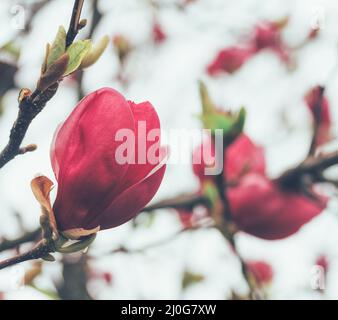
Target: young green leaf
77, 51
95, 53
58, 47
207, 104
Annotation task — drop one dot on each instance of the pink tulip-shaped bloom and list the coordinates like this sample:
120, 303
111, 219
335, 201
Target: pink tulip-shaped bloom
96, 188
259, 206
267, 35
320, 111
261, 271
229, 60
241, 157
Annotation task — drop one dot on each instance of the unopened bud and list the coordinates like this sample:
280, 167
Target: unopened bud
29, 148
82, 24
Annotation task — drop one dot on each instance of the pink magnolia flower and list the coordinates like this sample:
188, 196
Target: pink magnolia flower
229, 60
94, 188
241, 157
267, 35
320, 111
259, 206
262, 208
261, 271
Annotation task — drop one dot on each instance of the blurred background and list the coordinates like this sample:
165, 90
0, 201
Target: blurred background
164, 69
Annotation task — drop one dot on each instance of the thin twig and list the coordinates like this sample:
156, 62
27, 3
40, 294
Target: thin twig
27, 237
32, 104
187, 201
39, 251
159, 243
96, 18
74, 26
317, 110
312, 166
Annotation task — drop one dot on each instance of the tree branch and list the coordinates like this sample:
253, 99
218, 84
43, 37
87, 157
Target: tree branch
317, 120
161, 242
312, 167
74, 25
39, 251
186, 201
96, 18
27, 237
33, 103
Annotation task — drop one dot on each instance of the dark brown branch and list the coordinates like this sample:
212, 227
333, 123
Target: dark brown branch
27, 237
96, 18
317, 111
39, 251
32, 104
185, 202
161, 242
312, 167
74, 25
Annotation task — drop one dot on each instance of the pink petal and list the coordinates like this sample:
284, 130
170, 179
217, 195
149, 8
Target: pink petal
260, 208
84, 155
129, 203
146, 117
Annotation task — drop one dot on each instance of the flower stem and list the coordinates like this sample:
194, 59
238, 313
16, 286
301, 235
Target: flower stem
27, 237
